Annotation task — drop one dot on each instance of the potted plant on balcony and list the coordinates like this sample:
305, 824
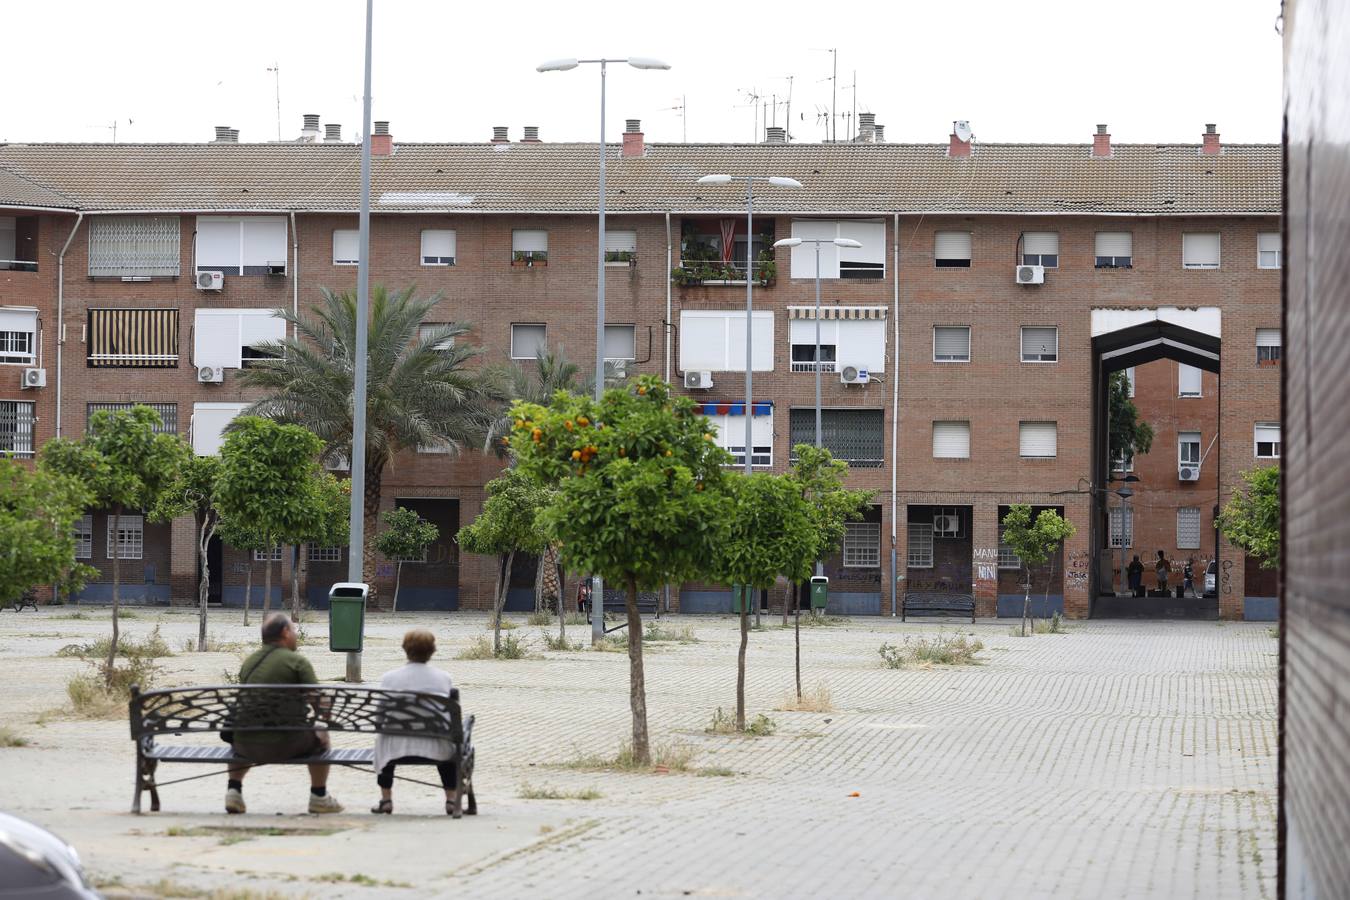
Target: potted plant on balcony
766, 268
619, 258
528, 258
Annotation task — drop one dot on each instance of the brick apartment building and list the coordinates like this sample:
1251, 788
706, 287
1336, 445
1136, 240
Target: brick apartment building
952, 389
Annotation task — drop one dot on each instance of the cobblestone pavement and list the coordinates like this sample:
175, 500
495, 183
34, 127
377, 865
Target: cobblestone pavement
1119, 760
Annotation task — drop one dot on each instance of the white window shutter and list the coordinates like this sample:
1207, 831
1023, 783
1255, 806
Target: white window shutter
18, 319
1189, 381
208, 425
620, 342
860, 342
1200, 251
1114, 243
620, 241
218, 245
1268, 241
951, 245
1267, 337
346, 246
1267, 434
803, 257
527, 340
257, 326
951, 342
871, 234
951, 440
1040, 344
1041, 242
264, 241
1038, 439
438, 245
531, 241
215, 338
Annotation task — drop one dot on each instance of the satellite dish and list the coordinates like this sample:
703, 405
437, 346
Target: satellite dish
961, 128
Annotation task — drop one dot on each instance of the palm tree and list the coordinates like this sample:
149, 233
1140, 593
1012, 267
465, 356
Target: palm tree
421, 390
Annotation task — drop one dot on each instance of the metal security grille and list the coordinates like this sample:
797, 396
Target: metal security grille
16, 428
1117, 538
862, 545
854, 435
130, 538
134, 245
1007, 557
133, 338
1188, 528
920, 555
168, 414
83, 532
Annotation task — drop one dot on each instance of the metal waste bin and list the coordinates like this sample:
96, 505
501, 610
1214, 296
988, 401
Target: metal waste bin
741, 595
820, 591
347, 616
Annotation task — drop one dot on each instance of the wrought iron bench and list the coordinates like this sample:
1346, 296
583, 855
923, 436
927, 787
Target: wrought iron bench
261, 708
928, 603
616, 599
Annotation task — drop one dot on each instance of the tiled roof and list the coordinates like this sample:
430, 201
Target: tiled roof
15, 190
838, 178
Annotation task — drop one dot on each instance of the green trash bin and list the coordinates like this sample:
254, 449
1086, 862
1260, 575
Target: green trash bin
347, 616
820, 591
741, 598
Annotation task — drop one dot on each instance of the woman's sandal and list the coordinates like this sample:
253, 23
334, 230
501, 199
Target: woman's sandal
450, 807
385, 808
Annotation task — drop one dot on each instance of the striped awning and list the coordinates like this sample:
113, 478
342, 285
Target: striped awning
140, 338
762, 408
837, 312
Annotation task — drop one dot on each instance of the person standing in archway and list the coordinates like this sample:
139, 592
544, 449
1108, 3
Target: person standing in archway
1135, 571
1161, 568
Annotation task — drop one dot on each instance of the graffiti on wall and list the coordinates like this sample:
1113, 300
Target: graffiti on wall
986, 569
1227, 585
1077, 568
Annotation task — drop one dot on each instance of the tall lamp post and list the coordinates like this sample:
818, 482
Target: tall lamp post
563, 65
1124, 494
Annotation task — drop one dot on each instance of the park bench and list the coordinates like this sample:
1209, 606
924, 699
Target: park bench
648, 604
27, 598
929, 603
262, 708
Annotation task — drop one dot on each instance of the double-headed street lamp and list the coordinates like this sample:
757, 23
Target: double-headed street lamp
562, 65
749, 180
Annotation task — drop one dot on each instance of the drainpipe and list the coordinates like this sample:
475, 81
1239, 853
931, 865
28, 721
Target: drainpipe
60, 313
666, 376
295, 275
895, 396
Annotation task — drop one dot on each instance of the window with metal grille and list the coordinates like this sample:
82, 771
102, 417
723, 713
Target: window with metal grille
1040, 248
1268, 250
168, 414
438, 247
920, 551
129, 538
262, 555
325, 554
133, 338
1117, 539
951, 343
1007, 557
1188, 528
134, 246
1267, 440
83, 532
16, 428
18, 335
1115, 249
862, 545
1268, 349
1040, 344
854, 435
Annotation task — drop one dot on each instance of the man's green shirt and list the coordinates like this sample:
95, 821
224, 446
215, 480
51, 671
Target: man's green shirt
276, 665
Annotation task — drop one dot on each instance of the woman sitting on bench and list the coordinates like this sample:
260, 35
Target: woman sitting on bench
419, 645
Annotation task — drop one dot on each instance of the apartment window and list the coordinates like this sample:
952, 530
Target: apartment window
1268, 349
1129, 380
1007, 557
1119, 538
1268, 250
325, 554
1115, 249
16, 428
620, 247
1267, 440
849, 335
132, 338
83, 533
529, 248
920, 549
168, 414
134, 246
208, 425
951, 343
862, 545
263, 555
1188, 448
1040, 248
730, 431
18, 335
1123, 461
856, 436
1040, 344
430, 329
1038, 440
620, 342
527, 341
249, 245
235, 338
438, 247
714, 340
346, 247
129, 538
951, 440
951, 249
1189, 381
1188, 528
18, 243
1200, 251
867, 261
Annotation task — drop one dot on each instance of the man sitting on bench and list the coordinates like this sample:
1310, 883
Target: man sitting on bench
277, 662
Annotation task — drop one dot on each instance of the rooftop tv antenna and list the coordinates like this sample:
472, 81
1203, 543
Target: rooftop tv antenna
754, 97
834, 87
680, 109
275, 69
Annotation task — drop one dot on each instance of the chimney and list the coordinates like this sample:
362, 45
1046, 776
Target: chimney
332, 134
1211, 145
531, 134
632, 138
310, 133
499, 134
957, 147
222, 135
775, 134
381, 142
1101, 142
867, 127
234, 135
879, 134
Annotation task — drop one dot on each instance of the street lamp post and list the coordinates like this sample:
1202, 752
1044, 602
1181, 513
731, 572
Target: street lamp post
1124, 494
562, 65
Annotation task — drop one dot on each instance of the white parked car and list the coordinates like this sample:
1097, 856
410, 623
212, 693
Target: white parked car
36, 863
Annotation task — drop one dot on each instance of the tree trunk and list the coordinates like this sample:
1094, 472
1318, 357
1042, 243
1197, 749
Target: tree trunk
797, 635
248, 587
539, 581
208, 528
562, 605
789, 597
371, 511
295, 582
398, 579
503, 586
740, 662
267, 584
117, 583
1026, 601
637, 685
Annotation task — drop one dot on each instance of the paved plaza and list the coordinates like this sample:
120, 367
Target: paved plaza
1119, 760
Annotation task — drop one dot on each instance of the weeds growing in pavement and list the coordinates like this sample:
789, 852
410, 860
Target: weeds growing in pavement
151, 646
512, 647
816, 700
545, 792
942, 650
554, 642
540, 617
666, 757
657, 631
725, 723
95, 695
11, 738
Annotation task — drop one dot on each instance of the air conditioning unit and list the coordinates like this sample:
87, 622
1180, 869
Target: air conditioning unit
34, 378
210, 281
616, 369
946, 526
854, 375
698, 381
211, 374
1031, 274
1188, 473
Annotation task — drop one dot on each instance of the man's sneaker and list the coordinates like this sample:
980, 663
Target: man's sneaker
325, 804
234, 801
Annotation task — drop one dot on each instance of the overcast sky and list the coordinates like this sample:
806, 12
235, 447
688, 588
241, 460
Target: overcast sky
1035, 70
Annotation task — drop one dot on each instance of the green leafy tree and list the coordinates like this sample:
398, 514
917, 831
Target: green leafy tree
38, 510
1126, 433
508, 524
193, 493
639, 497
771, 532
241, 535
421, 388
330, 499
125, 465
1033, 541
407, 537
1251, 520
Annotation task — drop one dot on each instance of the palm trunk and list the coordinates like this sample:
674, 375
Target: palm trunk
539, 581
398, 579
740, 661
371, 511
562, 603
208, 528
637, 685
248, 587
117, 578
504, 585
797, 635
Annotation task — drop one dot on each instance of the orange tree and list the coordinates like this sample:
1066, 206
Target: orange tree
639, 496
